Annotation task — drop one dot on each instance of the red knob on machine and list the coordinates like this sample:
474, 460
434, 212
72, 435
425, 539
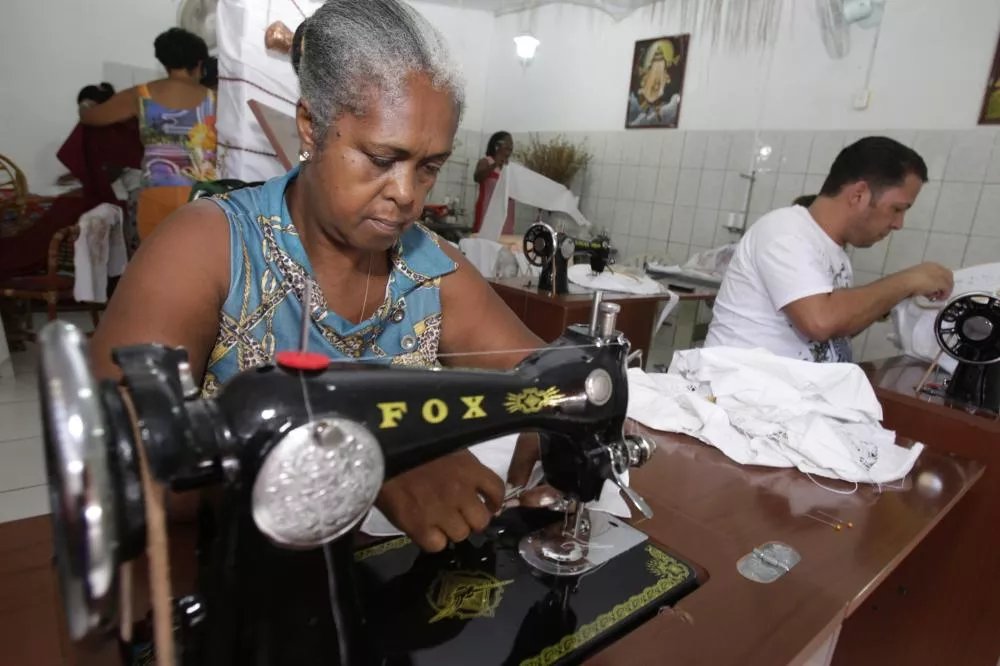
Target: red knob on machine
302, 361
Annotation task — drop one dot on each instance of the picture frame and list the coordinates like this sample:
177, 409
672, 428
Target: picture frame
989, 114
656, 85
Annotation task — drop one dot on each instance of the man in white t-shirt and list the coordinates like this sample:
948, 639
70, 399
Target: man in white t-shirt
789, 286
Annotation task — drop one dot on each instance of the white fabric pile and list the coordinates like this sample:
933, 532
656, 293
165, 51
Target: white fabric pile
619, 280
762, 409
708, 265
98, 253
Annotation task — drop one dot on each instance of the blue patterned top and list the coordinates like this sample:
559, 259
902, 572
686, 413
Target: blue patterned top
267, 276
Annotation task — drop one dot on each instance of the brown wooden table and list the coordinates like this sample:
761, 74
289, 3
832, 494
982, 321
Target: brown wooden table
548, 316
708, 510
942, 605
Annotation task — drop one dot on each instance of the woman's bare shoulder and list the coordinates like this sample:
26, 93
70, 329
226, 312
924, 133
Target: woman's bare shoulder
196, 235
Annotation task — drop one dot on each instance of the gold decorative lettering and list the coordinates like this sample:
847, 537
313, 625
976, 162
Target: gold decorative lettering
435, 411
392, 413
474, 407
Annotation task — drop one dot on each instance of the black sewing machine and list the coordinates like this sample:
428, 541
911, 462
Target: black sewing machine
297, 453
552, 251
968, 330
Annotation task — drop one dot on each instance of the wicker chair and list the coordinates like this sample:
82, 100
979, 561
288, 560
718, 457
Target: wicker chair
14, 196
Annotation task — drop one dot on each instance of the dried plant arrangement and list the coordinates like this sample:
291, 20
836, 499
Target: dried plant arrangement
558, 159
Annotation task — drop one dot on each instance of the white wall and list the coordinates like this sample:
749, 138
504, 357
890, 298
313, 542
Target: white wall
52, 48
49, 51
929, 71
469, 34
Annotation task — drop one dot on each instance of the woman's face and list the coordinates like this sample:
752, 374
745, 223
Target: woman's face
368, 184
505, 147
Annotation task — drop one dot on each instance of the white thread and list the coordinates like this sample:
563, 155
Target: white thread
338, 619
368, 280
834, 490
495, 352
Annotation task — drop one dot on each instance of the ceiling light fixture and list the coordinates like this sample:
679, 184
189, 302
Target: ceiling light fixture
526, 45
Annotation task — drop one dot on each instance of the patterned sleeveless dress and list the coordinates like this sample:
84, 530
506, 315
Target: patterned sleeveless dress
268, 273
179, 144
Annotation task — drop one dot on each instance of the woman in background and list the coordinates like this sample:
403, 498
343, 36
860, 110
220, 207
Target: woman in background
176, 124
498, 151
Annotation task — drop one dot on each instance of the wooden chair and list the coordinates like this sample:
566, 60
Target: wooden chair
53, 287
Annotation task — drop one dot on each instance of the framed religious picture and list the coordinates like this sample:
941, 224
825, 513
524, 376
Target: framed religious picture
657, 86
990, 114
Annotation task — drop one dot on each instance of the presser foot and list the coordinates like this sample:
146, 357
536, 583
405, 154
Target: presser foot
582, 542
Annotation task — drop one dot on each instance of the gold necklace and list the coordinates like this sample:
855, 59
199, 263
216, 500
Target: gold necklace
364, 303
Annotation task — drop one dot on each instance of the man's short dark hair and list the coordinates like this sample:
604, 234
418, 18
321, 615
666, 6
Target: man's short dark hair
179, 49
879, 161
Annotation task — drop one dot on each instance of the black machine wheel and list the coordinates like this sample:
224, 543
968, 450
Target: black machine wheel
968, 329
539, 244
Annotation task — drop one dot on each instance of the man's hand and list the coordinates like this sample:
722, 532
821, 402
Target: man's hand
442, 500
931, 280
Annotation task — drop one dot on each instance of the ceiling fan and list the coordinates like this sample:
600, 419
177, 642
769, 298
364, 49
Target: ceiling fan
837, 16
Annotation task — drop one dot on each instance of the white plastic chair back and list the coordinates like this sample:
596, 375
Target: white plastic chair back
482, 253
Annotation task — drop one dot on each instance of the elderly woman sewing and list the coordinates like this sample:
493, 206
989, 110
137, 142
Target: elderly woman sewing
226, 278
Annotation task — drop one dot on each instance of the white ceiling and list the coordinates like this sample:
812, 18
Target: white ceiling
617, 8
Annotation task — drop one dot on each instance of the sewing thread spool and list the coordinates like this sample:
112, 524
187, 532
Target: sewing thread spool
608, 319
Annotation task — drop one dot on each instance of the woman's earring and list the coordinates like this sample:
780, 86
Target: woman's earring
304, 156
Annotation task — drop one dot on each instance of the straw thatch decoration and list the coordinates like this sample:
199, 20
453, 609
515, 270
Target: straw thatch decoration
558, 159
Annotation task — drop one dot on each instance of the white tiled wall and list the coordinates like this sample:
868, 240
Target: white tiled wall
670, 193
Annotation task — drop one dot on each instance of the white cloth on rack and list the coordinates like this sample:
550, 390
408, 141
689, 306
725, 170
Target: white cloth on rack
98, 253
762, 409
496, 454
244, 64
913, 319
619, 280
519, 183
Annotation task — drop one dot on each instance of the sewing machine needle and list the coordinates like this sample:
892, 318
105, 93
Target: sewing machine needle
306, 311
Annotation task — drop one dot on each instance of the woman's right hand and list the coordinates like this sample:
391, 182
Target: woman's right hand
442, 500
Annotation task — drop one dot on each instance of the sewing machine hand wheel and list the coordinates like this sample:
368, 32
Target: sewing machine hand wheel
539, 244
968, 329
85, 511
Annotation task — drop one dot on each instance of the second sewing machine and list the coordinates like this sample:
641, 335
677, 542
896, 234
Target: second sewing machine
552, 250
296, 453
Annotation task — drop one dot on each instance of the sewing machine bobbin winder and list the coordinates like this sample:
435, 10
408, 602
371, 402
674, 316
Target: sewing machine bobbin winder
552, 251
297, 452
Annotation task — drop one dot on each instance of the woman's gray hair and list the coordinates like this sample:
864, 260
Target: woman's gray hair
350, 46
